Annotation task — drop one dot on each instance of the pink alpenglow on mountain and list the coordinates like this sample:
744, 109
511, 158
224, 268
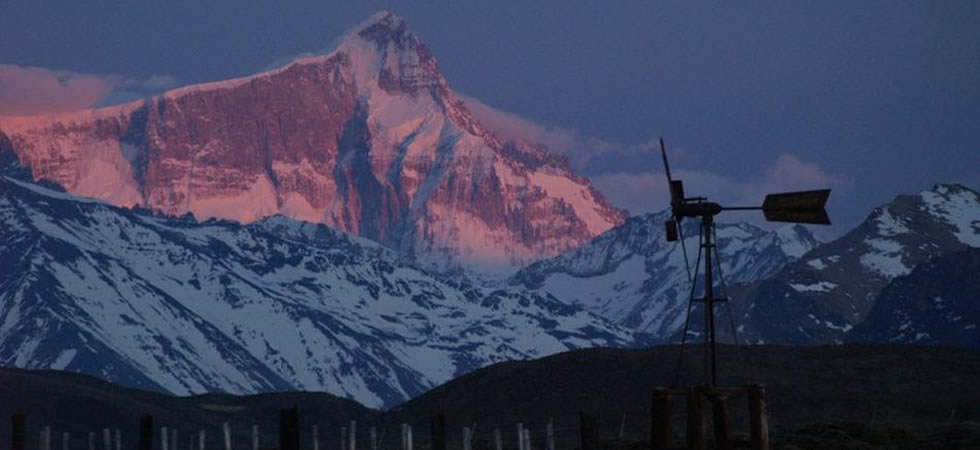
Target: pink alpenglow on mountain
368, 139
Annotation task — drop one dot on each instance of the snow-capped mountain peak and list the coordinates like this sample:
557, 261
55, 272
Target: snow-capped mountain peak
832, 289
367, 138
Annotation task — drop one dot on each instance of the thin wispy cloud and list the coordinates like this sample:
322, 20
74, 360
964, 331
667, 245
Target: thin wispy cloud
26, 91
646, 191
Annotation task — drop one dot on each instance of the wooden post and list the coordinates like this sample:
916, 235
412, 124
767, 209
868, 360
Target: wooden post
660, 419
18, 436
406, 437
352, 442
255, 437
119, 439
527, 439
588, 431
316, 437
146, 433
64, 441
466, 438
758, 417
438, 432
164, 436
91, 440
289, 429
107, 438
226, 427
550, 436
520, 436
724, 435
45, 443
498, 439
696, 439
374, 437
201, 439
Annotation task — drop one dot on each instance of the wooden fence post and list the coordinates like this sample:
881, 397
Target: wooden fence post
660, 419
91, 440
724, 435
696, 439
438, 431
520, 436
498, 439
352, 442
466, 438
164, 436
255, 437
374, 437
64, 441
18, 436
316, 437
550, 436
45, 438
146, 433
758, 417
289, 429
226, 427
201, 439
119, 439
411, 439
107, 438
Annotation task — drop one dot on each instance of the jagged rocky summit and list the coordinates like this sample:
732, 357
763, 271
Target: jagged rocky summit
368, 139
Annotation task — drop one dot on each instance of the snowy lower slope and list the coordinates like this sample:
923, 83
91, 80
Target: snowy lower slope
633, 276
190, 307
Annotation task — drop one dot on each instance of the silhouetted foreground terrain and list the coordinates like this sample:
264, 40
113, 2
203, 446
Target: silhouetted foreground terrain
851, 396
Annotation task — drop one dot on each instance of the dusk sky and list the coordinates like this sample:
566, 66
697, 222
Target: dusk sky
872, 99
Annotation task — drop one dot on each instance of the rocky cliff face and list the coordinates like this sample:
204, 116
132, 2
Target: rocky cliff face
936, 304
367, 139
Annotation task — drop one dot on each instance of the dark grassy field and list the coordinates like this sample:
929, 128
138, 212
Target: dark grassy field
79, 404
851, 396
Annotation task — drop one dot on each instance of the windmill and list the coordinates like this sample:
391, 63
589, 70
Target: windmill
795, 207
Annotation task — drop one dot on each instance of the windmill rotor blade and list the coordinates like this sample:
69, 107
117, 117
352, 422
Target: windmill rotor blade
663, 152
797, 207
